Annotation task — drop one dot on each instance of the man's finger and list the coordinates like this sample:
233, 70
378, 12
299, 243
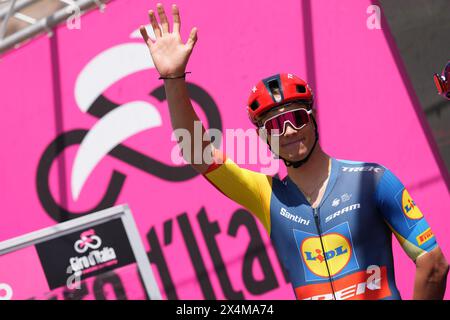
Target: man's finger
155, 25
145, 36
163, 18
192, 38
176, 19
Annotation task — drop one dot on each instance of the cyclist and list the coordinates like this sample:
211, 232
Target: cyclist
330, 220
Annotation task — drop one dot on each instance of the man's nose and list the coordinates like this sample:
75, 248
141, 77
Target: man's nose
289, 129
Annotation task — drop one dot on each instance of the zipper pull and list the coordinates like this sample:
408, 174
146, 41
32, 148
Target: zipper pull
317, 219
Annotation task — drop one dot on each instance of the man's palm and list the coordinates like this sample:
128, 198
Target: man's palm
170, 55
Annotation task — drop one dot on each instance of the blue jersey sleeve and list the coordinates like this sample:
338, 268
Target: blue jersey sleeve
403, 216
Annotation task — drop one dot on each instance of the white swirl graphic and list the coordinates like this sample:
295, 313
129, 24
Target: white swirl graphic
115, 127
98, 75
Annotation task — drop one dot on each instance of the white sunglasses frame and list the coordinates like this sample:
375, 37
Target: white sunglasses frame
309, 112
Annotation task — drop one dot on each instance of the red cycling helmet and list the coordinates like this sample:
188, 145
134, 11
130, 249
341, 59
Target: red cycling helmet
290, 88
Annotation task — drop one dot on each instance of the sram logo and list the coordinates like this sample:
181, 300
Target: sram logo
371, 284
342, 211
6, 292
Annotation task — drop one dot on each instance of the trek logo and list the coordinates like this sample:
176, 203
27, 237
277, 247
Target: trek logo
96, 259
371, 284
6, 292
88, 241
337, 258
361, 169
342, 211
294, 217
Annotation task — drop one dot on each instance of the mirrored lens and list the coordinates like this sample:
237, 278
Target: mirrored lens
298, 118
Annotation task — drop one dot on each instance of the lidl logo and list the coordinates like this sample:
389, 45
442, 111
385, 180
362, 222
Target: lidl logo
332, 256
338, 254
410, 210
409, 206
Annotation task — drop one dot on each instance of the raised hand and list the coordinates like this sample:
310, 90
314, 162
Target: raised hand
170, 55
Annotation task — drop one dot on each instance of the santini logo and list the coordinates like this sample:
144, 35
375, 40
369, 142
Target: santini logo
293, 217
96, 259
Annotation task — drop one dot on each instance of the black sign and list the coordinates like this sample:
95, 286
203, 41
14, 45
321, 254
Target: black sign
85, 253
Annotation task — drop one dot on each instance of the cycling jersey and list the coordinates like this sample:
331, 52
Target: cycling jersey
342, 248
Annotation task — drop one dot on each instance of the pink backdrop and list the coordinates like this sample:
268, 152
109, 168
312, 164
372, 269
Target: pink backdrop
48, 85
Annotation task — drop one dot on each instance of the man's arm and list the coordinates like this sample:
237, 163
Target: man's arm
414, 234
431, 276
170, 57
183, 116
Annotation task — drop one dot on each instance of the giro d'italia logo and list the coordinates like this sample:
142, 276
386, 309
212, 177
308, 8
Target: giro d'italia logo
88, 240
337, 252
88, 253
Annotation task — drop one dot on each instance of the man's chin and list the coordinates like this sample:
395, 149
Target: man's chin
295, 158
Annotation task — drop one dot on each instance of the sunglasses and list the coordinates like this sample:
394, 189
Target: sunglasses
298, 118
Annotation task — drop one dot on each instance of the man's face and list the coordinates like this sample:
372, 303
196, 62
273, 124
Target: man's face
294, 145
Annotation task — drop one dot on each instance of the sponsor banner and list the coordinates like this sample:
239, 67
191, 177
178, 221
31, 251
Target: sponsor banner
362, 285
339, 253
91, 263
85, 253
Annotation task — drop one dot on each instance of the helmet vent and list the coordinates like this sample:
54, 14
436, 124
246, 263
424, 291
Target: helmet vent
254, 105
300, 88
275, 90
